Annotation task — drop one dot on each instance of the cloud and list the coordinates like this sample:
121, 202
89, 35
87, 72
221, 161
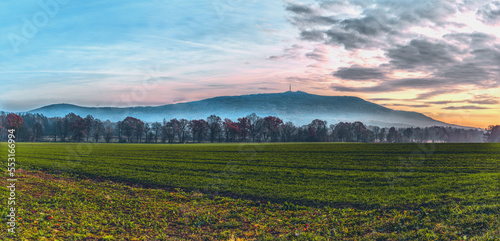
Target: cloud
370, 26
467, 107
298, 79
434, 87
374, 89
424, 37
376, 23
320, 20
291, 52
475, 40
312, 35
489, 57
444, 64
480, 101
405, 105
318, 54
422, 53
359, 73
489, 13
484, 100
299, 9
435, 93
386, 99
348, 39
443, 102
397, 85
468, 73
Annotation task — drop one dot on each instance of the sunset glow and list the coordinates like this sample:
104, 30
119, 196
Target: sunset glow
439, 58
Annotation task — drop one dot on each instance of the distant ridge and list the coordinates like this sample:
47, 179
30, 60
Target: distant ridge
298, 107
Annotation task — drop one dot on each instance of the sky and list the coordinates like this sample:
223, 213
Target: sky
439, 58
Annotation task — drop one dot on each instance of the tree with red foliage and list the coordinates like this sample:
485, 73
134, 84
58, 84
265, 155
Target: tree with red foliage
198, 128
272, 126
231, 129
317, 130
244, 126
13, 121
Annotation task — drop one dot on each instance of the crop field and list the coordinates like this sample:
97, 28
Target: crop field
299, 191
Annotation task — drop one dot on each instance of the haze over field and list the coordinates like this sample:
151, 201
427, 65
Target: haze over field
439, 58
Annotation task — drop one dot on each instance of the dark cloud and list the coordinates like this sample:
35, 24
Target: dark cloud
266, 88
384, 99
320, 20
478, 99
484, 100
404, 84
318, 55
443, 102
348, 39
311, 21
312, 35
405, 105
299, 9
468, 73
473, 40
378, 24
370, 25
450, 61
422, 53
468, 107
291, 52
435, 93
359, 73
374, 89
416, 83
415, 12
487, 57
489, 13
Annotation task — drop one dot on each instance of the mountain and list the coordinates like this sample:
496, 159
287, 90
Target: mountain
298, 107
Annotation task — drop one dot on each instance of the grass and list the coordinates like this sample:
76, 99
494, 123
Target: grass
259, 191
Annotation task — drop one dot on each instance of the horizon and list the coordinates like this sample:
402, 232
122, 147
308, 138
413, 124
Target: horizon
435, 58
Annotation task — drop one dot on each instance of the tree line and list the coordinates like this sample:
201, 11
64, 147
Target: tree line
252, 128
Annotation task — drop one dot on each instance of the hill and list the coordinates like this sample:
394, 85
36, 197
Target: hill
298, 107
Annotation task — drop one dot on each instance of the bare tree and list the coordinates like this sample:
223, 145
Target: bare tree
255, 126
156, 127
98, 130
89, 124
287, 131
108, 134
183, 130
214, 127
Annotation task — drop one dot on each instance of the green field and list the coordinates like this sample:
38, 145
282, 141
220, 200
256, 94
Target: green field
456, 186
332, 174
